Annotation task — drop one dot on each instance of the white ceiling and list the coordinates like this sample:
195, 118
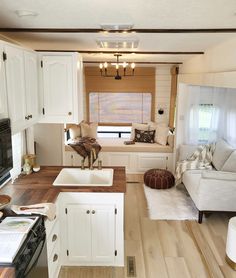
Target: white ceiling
142, 14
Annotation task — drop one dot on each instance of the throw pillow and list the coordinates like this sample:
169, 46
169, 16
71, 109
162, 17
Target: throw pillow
89, 130
144, 136
230, 164
162, 131
137, 126
162, 135
222, 152
75, 131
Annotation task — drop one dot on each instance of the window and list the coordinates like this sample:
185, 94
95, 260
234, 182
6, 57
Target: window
122, 108
114, 132
206, 117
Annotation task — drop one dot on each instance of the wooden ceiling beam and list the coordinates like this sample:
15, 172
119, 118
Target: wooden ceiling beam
97, 30
139, 63
126, 52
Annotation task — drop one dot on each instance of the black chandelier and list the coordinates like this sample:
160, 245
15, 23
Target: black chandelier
104, 72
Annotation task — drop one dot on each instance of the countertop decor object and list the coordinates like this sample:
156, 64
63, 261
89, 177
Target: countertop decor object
4, 201
36, 168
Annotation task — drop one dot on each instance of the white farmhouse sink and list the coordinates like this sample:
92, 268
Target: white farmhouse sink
78, 177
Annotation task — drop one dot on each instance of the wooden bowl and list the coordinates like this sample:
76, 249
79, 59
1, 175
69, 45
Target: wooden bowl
4, 200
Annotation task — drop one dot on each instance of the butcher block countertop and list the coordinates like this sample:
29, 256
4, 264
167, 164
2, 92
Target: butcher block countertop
37, 187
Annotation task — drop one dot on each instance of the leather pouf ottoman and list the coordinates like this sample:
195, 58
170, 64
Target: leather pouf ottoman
159, 179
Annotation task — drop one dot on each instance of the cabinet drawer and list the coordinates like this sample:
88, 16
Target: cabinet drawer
53, 238
54, 262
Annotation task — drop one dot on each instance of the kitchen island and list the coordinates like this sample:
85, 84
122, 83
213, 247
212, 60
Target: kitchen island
88, 227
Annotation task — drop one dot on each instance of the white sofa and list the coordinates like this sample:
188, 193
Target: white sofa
212, 190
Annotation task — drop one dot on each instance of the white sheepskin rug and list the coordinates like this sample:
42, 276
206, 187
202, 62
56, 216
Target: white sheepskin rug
170, 204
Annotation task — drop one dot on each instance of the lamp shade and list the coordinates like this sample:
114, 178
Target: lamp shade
231, 243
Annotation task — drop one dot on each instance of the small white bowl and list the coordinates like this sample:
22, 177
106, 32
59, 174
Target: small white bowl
36, 168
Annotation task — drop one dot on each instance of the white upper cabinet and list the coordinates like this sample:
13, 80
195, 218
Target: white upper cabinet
31, 86
20, 70
3, 95
15, 76
60, 89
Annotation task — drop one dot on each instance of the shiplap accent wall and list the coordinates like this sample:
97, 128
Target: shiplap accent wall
163, 86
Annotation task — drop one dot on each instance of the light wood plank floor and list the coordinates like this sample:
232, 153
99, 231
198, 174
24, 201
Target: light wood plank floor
165, 249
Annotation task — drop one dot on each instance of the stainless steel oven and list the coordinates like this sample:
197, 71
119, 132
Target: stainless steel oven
31, 259
38, 267
6, 162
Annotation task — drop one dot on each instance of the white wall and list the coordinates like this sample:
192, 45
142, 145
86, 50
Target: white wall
48, 138
163, 86
217, 67
18, 150
220, 58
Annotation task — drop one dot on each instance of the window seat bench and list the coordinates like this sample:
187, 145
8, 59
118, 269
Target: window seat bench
137, 158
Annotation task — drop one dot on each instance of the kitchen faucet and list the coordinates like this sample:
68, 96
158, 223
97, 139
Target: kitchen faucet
92, 154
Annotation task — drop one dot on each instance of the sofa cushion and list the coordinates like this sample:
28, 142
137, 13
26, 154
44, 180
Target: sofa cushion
185, 151
219, 175
222, 152
230, 164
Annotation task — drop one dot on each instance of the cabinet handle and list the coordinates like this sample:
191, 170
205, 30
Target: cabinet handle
93, 211
69, 113
55, 257
54, 237
88, 211
30, 116
27, 117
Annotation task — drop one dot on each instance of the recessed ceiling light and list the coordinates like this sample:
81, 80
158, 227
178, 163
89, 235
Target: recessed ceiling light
116, 26
22, 13
117, 42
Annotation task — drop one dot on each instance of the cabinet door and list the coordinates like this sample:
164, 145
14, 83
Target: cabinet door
3, 95
103, 233
79, 233
58, 88
15, 87
31, 86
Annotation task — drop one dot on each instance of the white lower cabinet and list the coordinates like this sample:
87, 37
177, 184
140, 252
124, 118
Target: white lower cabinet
92, 229
91, 233
88, 231
134, 162
53, 238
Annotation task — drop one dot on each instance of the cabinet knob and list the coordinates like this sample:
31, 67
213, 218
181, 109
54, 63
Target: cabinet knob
27, 117
30, 116
69, 113
88, 211
93, 211
55, 257
54, 237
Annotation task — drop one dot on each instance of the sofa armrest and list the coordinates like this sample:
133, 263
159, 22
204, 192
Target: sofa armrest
219, 175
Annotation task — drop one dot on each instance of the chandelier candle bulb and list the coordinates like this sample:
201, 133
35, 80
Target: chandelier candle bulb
117, 65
